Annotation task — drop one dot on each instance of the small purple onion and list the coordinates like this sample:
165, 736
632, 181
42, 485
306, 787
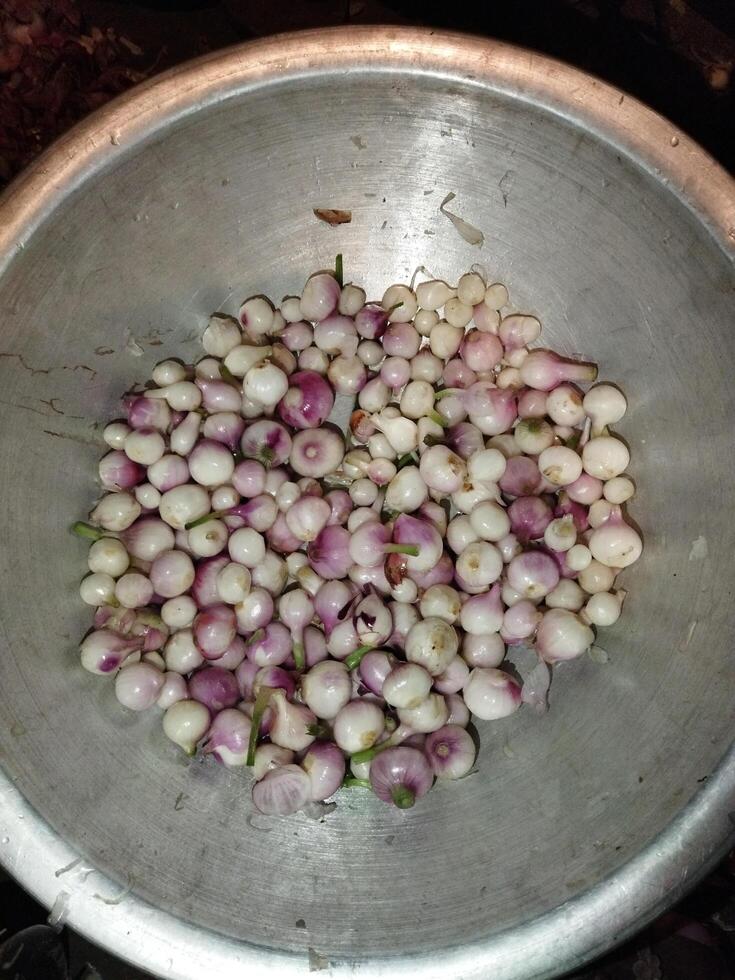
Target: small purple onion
270, 646
565, 505
459, 713
316, 452
224, 427
341, 506
214, 687
280, 538
308, 401
117, 472
324, 764
330, 601
336, 335
400, 776
282, 791
373, 669
481, 351
454, 678
228, 737
491, 694
297, 336
532, 404
315, 646
137, 686
395, 372
255, 611
320, 296
520, 621
275, 677
442, 573
450, 750
214, 630
465, 439
457, 374
529, 518
544, 370
522, 477
249, 478
266, 441
401, 340
371, 321
233, 655
204, 590
219, 396
329, 553
483, 613
259, 513
104, 652
245, 677
168, 472
149, 413
147, 538
533, 574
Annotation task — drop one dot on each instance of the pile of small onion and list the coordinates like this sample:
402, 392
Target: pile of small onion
331, 609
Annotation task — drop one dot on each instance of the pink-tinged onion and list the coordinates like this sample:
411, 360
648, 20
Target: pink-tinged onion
324, 764
291, 723
276, 678
371, 321
481, 351
522, 477
214, 630
562, 635
270, 646
147, 538
533, 574
214, 687
308, 401
529, 518
329, 553
137, 686
544, 370
490, 693
148, 413
494, 410
228, 737
450, 750
373, 669
482, 614
400, 776
267, 441
117, 472
282, 791
204, 590
320, 296
532, 404
317, 452
249, 477
224, 427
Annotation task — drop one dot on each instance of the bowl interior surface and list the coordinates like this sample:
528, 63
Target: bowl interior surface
218, 206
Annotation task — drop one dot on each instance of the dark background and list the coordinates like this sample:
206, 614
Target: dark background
59, 59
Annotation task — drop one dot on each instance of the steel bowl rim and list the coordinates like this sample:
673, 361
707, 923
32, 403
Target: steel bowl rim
612, 909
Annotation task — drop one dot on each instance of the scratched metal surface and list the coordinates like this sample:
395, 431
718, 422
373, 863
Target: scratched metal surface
579, 825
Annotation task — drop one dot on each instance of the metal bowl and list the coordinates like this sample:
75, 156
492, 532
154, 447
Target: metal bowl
197, 189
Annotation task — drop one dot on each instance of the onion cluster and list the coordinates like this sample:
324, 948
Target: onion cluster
331, 608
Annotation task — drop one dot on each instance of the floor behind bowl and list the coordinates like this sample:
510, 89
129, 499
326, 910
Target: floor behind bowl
679, 58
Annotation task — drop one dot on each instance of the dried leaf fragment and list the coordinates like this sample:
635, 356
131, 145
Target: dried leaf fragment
333, 216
